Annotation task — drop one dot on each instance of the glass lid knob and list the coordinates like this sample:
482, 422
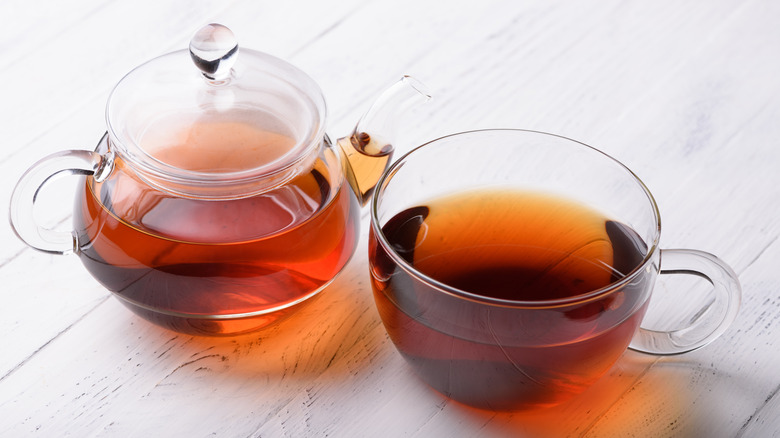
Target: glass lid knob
213, 49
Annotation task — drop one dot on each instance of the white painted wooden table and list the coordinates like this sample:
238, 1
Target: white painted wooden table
687, 94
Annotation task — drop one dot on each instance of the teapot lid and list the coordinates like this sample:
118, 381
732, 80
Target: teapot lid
231, 125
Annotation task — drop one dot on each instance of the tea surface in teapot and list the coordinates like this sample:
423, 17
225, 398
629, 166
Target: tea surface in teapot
214, 144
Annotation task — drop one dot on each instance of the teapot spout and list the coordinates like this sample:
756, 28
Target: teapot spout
369, 150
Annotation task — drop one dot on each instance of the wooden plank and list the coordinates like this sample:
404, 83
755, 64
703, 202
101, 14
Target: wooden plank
121, 368
709, 115
63, 294
684, 94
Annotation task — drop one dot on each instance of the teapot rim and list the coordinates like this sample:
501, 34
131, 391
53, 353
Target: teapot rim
292, 85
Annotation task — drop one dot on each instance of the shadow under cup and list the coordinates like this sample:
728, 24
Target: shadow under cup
499, 353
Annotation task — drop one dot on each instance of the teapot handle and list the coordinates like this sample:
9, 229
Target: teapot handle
73, 162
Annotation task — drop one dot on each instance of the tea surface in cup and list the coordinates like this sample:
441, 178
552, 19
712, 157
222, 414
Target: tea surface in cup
524, 248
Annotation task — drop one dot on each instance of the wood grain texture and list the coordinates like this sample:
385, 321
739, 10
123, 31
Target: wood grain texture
685, 93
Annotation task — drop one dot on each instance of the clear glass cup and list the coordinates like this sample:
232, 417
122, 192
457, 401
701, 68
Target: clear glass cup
501, 353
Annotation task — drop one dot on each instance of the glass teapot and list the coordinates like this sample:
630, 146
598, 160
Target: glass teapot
215, 203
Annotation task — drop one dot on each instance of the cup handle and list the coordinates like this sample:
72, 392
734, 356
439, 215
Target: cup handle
73, 162
714, 317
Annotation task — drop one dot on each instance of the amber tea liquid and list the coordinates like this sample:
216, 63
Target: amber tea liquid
216, 266
516, 247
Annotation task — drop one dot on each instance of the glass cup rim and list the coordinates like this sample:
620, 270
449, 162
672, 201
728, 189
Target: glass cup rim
500, 302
